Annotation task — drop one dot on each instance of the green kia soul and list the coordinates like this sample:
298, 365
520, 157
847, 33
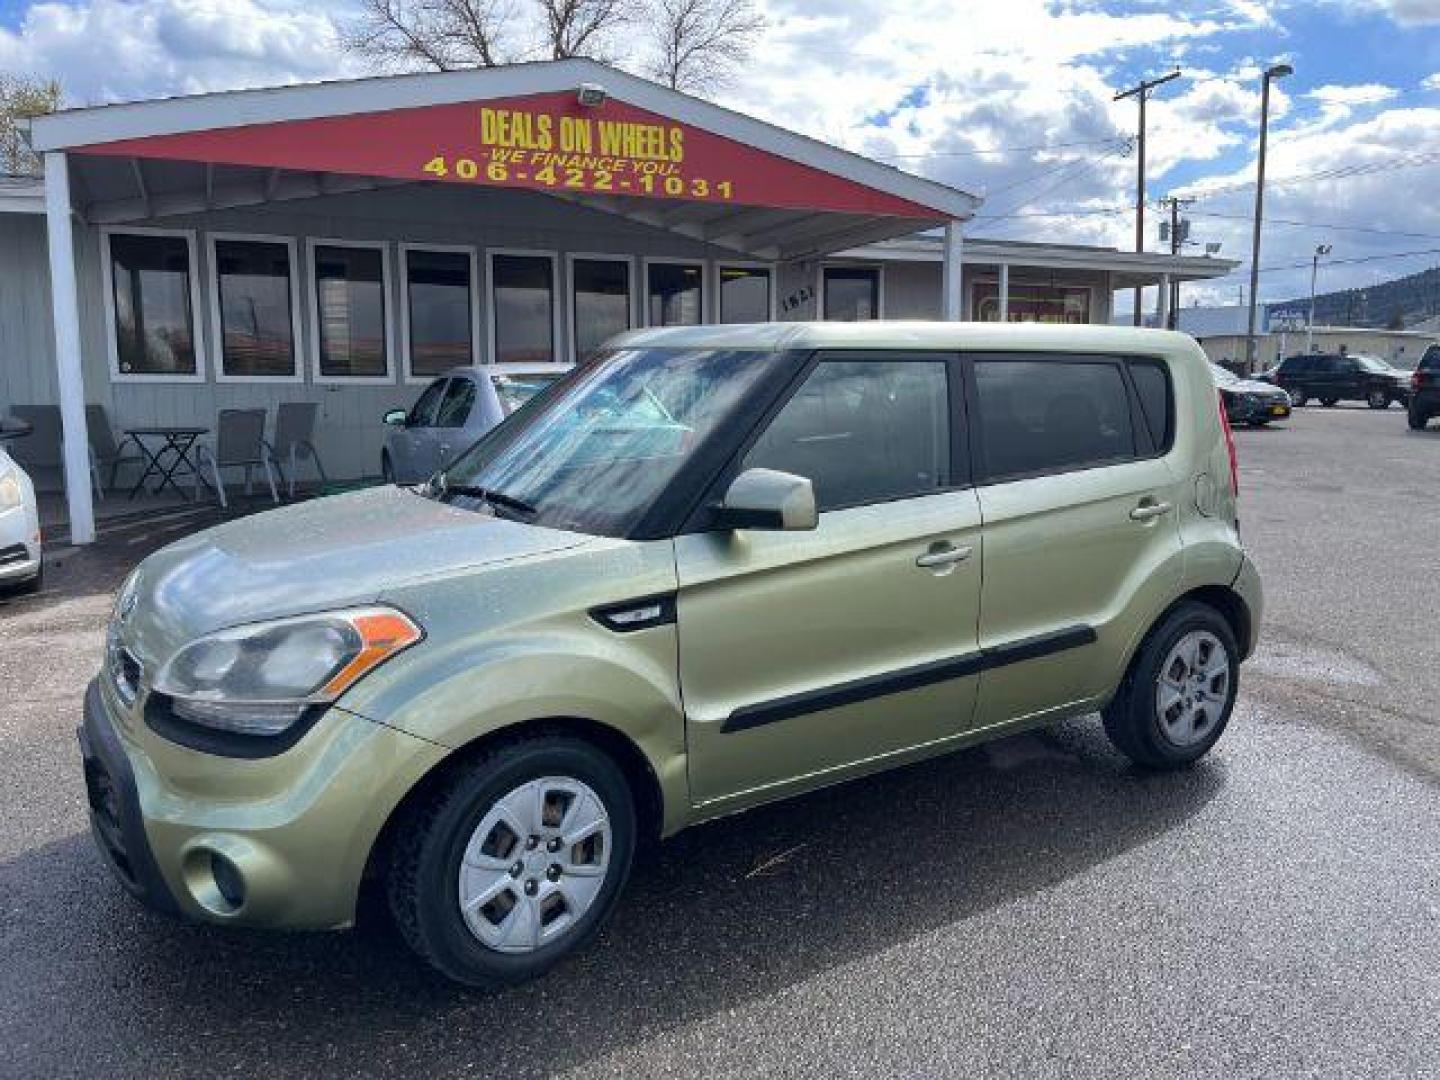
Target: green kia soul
717, 567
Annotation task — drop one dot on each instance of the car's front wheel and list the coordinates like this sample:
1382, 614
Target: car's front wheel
1417, 419
513, 860
1177, 696
1298, 397
1328, 402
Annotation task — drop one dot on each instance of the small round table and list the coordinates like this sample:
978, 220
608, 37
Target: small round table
167, 453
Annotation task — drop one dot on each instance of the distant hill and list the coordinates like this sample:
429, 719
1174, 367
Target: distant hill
1390, 305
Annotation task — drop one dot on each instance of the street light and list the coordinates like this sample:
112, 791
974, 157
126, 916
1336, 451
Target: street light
1321, 249
1279, 71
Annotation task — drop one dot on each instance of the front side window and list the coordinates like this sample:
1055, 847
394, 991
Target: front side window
596, 451
522, 289
257, 325
601, 303
350, 311
863, 431
1045, 416
744, 294
154, 323
851, 293
676, 293
438, 305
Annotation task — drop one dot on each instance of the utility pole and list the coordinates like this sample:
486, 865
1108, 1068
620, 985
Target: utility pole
1279, 71
1141, 92
1321, 249
1177, 232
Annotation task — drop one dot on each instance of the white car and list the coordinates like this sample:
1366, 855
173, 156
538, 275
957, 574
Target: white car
19, 527
452, 413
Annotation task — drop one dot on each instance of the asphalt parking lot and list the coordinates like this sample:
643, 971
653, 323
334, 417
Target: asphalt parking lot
1031, 908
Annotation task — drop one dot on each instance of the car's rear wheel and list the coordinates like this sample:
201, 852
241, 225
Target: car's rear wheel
1328, 402
1178, 694
514, 860
1298, 397
1377, 399
1417, 419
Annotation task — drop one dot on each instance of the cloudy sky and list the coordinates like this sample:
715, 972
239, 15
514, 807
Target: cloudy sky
1008, 98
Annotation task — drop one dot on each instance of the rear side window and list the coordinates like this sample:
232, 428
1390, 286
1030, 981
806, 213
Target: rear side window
1431, 360
1296, 365
1152, 386
863, 431
1047, 416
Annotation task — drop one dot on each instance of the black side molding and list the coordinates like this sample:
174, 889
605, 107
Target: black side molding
911, 678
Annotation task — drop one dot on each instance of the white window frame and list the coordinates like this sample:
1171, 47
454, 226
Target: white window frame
197, 328
707, 300
387, 288
879, 269
477, 283
557, 284
572, 350
744, 264
994, 279
298, 347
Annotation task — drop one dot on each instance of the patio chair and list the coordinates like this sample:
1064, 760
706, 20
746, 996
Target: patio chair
239, 444
105, 452
294, 435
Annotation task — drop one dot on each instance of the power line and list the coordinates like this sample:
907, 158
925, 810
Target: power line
1342, 172
1038, 148
1328, 225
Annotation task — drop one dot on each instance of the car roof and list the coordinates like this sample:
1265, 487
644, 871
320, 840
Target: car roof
912, 335
497, 370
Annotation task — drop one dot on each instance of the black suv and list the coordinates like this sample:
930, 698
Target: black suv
1425, 389
1333, 377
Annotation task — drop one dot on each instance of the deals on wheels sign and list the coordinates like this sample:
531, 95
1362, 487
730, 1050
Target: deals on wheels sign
544, 142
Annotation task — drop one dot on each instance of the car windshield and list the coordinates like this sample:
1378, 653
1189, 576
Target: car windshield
516, 390
1375, 364
1223, 376
595, 453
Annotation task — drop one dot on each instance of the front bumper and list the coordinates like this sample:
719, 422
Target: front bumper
1260, 410
19, 544
279, 842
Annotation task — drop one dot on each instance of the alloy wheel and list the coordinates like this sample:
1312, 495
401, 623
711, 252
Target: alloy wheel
1193, 687
535, 864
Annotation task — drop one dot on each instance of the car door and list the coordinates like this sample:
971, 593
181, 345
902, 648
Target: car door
410, 445
1081, 507
1350, 382
804, 653
449, 435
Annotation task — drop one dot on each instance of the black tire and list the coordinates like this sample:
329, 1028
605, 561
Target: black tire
1377, 399
430, 842
1298, 397
1328, 402
387, 469
1417, 419
1131, 719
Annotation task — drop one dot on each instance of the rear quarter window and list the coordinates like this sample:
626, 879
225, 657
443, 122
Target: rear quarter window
1431, 360
1039, 416
1157, 402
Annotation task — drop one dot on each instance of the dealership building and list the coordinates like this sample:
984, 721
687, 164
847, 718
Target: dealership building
344, 243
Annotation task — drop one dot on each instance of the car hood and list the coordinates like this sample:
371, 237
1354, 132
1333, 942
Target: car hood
1253, 386
318, 555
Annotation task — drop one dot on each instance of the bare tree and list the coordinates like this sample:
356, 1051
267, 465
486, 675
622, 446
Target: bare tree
583, 27
698, 43
20, 99
442, 34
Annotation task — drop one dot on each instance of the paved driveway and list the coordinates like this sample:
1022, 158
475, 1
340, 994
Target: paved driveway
1029, 908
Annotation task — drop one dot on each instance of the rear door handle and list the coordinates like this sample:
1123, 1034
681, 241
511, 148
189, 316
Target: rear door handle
946, 555
1148, 511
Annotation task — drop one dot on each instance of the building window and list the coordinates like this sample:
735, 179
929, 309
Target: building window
439, 311
522, 302
1032, 302
851, 293
350, 311
600, 302
675, 294
745, 294
255, 308
151, 289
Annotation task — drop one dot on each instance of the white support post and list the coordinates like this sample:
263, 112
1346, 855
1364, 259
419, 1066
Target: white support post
1004, 291
952, 283
1162, 302
69, 370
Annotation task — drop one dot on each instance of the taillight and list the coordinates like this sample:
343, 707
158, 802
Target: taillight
1415, 381
1230, 448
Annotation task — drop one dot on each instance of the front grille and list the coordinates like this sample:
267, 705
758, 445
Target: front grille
15, 553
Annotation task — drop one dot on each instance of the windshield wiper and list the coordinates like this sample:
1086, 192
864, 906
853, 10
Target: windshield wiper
497, 499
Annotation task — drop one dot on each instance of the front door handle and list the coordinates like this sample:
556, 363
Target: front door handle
1148, 511
943, 555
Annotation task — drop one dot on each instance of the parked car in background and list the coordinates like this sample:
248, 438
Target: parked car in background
1425, 389
453, 412
714, 568
21, 565
1333, 377
1250, 401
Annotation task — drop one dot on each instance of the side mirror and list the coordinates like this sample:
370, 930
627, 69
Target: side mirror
768, 499
396, 417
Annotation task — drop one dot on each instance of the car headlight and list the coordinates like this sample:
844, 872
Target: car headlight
10, 494
260, 679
